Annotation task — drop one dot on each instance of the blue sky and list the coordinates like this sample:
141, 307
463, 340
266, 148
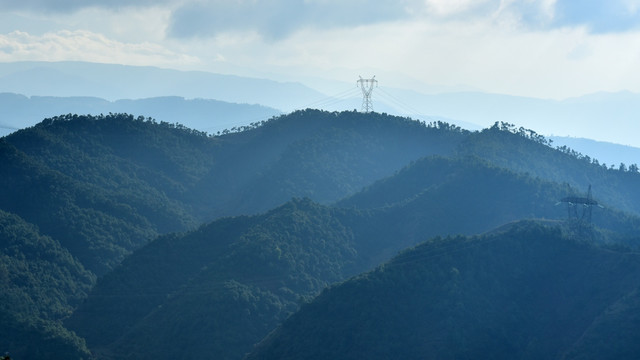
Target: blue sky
540, 48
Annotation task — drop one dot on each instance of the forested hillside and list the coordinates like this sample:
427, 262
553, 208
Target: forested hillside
291, 253
41, 284
504, 146
219, 289
321, 155
102, 186
194, 249
528, 291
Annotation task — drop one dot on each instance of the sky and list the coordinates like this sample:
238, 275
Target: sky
551, 49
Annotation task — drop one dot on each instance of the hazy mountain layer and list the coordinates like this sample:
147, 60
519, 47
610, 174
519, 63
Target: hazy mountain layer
604, 152
210, 116
113, 82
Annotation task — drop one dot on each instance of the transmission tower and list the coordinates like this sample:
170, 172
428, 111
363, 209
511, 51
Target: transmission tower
367, 86
575, 202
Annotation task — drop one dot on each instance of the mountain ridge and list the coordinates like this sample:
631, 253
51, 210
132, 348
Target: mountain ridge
211, 116
112, 82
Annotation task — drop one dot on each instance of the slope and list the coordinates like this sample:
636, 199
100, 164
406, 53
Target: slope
523, 150
40, 283
100, 186
439, 196
321, 155
526, 291
216, 290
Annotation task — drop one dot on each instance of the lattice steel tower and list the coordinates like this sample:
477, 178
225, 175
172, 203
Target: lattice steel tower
367, 86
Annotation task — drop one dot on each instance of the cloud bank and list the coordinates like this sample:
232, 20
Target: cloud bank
278, 19
84, 45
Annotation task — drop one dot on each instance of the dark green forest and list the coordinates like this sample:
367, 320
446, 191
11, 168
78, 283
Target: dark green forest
527, 291
125, 237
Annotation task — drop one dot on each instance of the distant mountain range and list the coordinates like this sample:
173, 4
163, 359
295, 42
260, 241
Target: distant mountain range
115, 82
609, 153
610, 117
19, 111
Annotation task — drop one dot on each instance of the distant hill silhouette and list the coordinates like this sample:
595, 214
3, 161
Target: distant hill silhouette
605, 152
210, 116
113, 82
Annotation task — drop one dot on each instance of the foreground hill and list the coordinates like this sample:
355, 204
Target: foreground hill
219, 289
101, 186
41, 284
527, 291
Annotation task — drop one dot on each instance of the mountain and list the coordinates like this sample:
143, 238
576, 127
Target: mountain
204, 271
506, 146
101, 186
210, 116
324, 156
601, 116
527, 291
41, 284
113, 82
124, 196
605, 152
104, 185
219, 289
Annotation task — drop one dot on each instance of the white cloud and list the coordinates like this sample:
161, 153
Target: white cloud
276, 20
82, 45
554, 63
68, 6
445, 8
